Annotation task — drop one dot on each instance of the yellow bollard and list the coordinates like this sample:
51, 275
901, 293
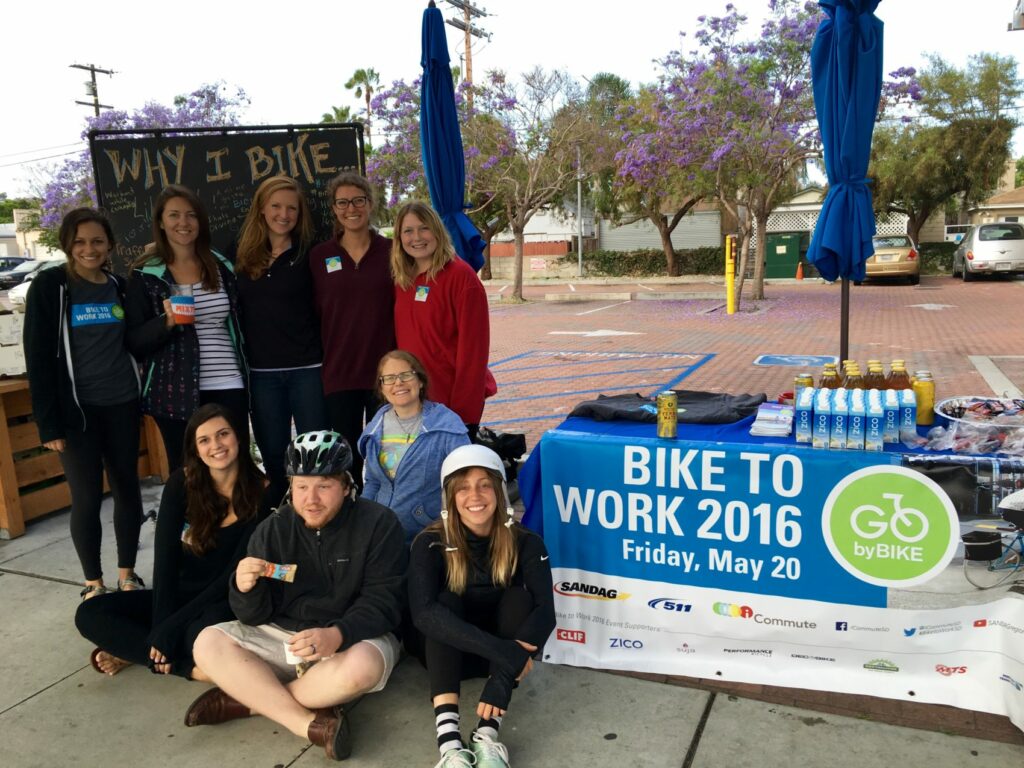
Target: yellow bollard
730, 274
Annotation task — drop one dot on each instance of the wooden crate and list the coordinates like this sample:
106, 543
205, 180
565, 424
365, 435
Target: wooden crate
32, 483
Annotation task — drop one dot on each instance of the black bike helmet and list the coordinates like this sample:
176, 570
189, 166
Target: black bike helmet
318, 453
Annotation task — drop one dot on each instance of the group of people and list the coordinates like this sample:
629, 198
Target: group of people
286, 586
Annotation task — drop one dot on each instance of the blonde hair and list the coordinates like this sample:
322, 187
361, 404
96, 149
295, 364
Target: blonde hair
504, 552
253, 243
403, 266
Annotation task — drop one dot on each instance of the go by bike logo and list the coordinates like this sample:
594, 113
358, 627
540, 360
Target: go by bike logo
890, 526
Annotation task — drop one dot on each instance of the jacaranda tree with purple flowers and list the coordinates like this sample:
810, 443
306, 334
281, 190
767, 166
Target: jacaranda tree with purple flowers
72, 184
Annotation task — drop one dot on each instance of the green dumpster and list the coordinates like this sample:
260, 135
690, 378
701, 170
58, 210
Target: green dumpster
782, 254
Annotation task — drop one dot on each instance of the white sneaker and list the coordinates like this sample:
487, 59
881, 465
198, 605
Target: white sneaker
489, 753
457, 758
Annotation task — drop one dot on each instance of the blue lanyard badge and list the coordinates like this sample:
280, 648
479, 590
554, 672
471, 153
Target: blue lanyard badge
333, 264
421, 292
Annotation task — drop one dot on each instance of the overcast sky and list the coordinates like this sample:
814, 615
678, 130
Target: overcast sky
292, 58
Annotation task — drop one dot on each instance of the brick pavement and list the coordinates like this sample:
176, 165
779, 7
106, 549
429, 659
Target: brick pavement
694, 344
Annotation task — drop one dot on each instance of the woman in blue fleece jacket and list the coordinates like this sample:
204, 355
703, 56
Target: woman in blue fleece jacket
404, 444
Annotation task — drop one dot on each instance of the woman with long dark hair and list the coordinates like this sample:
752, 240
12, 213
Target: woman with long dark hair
354, 297
85, 391
281, 329
209, 508
480, 592
190, 364
441, 313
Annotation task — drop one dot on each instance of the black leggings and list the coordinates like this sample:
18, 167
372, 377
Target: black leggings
173, 430
447, 667
110, 441
348, 411
120, 623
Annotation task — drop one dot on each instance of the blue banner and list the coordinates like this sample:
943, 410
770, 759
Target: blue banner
726, 516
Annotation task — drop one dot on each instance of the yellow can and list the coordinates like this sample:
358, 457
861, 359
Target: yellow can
668, 414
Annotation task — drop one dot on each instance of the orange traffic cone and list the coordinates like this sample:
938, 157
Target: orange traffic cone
800, 270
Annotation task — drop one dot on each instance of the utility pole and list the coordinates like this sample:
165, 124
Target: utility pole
579, 209
91, 89
469, 12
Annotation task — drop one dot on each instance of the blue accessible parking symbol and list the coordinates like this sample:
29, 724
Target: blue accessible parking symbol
798, 361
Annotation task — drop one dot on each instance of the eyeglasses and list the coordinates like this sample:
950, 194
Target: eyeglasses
391, 378
355, 202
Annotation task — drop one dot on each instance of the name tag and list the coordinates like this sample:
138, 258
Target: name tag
333, 264
421, 292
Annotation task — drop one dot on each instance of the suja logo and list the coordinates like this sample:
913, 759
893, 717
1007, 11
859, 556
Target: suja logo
624, 642
942, 669
589, 591
571, 635
736, 611
670, 604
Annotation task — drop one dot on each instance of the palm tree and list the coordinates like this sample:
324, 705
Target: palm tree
364, 82
337, 115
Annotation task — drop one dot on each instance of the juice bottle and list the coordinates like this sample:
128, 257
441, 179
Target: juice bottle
854, 379
829, 378
924, 389
875, 378
898, 378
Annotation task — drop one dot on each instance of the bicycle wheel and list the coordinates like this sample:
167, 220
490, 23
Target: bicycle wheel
986, 574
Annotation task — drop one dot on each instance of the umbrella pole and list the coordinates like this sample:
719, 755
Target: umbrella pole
844, 322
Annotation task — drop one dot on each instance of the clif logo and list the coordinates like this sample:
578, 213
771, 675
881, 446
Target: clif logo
571, 635
981, 622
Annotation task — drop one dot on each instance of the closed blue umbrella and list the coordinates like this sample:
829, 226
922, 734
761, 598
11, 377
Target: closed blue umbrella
441, 141
846, 72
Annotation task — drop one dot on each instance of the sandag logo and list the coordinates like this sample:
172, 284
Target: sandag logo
669, 604
588, 591
733, 610
571, 635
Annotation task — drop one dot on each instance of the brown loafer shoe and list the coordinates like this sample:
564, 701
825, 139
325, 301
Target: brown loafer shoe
330, 730
213, 707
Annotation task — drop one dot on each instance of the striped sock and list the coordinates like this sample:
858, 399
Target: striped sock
446, 718
489, 727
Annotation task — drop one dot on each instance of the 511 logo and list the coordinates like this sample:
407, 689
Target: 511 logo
670, 604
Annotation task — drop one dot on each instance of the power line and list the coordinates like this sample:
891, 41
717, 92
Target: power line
37, 159
40, 149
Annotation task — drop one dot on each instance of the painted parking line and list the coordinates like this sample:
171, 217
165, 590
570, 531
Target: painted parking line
998, 381
560, 359
599, 309
641, 285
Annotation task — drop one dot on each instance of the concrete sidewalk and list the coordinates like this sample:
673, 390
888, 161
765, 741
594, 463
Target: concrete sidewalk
56, 711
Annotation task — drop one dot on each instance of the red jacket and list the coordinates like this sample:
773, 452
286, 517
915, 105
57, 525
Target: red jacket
446, 324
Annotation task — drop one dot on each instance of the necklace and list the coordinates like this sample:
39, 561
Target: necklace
410, 426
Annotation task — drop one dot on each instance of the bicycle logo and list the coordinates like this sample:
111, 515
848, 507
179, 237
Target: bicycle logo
902, 520
897, 537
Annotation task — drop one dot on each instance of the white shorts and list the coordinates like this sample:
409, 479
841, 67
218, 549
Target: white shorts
267, 642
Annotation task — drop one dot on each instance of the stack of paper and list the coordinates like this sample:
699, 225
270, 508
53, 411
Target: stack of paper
773, 420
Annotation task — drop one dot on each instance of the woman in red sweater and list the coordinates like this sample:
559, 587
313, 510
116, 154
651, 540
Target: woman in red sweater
441, 313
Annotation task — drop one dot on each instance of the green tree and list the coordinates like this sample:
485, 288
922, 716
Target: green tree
364, 83
8, 205
337, 115
1018, 179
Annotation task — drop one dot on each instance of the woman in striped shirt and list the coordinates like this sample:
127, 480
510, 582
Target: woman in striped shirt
185, 365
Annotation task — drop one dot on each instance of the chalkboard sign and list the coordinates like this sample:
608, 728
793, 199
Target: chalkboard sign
224, 166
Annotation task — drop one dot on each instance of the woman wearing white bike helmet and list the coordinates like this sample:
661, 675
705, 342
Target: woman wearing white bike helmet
480, 591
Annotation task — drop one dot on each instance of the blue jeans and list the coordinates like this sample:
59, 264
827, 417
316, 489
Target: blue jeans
277, 397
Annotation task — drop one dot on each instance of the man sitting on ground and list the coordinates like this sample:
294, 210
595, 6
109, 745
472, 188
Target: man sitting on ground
333, 606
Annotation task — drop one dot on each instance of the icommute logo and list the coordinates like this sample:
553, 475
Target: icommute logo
736, 611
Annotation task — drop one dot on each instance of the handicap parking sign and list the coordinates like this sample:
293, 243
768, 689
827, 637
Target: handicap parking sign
797, 361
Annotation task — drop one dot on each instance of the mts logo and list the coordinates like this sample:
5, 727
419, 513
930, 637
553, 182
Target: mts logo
571, 635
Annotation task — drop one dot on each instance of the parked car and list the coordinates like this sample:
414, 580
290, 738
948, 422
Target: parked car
19, 293
895, 256
10, 262
989, 249
13, 277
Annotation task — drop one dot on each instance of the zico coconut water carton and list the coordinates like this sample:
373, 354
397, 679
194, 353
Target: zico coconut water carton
855, 428
874, 424
804, 415
840, 420
891, 433
908, 414
822, 419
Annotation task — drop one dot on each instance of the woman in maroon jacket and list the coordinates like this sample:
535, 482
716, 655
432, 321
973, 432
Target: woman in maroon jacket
441, 313
354, 296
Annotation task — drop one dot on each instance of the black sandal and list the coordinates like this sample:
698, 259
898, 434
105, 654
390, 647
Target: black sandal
94, 590
131, 584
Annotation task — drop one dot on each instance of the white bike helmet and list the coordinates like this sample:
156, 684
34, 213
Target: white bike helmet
465, 457
1012, 508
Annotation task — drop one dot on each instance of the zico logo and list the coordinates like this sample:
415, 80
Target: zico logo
571, 635
624, 642
669, 604
890, 526
942, 669
736, 611
589, 591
